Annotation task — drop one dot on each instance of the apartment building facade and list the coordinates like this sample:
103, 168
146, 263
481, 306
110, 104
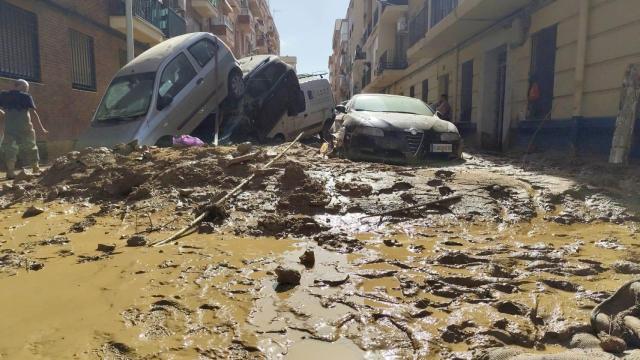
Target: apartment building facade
70, 49
488, 55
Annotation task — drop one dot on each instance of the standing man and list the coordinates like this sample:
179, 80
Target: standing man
444, 108
19, 135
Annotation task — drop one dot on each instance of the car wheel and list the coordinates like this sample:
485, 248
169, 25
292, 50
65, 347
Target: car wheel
236, 85
279, 139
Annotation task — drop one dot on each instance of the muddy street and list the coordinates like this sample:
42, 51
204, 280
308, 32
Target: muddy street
317, 257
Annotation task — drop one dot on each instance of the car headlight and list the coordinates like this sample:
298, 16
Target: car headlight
370, 131
449, 137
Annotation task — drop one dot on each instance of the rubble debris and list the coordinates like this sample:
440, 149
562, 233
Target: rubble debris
106, 248
308, 258
137, 241
32, 211
288, 277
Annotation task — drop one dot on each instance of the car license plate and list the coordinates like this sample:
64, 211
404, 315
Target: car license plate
441, 148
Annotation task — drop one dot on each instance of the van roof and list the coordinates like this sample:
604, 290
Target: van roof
150, 60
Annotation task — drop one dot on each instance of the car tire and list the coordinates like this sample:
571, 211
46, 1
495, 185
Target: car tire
236, 85
279, 139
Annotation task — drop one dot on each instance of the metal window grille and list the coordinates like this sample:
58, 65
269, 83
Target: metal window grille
19, 50
83, 64
440, 10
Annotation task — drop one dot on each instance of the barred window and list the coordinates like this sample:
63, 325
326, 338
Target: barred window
83, 64
19, 54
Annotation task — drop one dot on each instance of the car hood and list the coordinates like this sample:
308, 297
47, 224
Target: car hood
110, 134
399, 121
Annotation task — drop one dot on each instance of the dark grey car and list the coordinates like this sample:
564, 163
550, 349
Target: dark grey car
395, 129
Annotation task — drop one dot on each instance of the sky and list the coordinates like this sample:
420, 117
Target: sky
306, 30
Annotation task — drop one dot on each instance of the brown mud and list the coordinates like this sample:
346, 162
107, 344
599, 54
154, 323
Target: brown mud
520, 260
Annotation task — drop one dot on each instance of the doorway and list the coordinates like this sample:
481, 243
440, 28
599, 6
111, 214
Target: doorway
542, 72
493, 98
466, 95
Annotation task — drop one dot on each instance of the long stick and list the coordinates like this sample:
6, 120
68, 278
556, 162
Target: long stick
224, 199
430, 203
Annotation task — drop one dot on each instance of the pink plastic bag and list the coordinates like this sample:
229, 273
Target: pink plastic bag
187, 141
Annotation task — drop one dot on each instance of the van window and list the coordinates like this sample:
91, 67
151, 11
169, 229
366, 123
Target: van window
203, 51
176, 76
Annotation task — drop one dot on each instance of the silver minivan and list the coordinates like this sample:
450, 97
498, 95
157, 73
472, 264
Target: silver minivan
168, 90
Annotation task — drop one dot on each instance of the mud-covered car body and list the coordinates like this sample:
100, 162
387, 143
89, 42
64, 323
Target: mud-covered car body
168, 90
272, 91
395, 129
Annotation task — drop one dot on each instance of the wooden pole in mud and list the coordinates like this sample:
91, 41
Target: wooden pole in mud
625, 123
430, 203
224, 199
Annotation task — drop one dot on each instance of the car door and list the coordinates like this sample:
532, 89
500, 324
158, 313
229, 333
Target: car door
206, 54
178, 96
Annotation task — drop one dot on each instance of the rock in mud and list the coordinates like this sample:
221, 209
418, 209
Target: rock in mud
352, 189
584, 341
512, 308
458, 258
332, 280
612, 344
288, 277
392, 243
32, 211
83, 225
293, 176
137, 241
106, 248
244, 148
308, 259
626, 267
562, 285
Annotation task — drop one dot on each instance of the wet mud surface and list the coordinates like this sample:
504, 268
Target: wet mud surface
302, 264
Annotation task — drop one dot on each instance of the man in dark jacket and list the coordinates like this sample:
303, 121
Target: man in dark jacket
19, 134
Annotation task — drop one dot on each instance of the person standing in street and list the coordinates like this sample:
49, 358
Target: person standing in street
19, 133
444, 108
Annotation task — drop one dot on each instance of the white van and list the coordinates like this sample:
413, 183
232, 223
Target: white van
316, 119
168, 90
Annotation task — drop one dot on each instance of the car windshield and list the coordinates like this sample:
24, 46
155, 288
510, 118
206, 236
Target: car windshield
128, 96
393, 104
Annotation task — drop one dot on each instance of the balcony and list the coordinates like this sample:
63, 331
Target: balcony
389, 69
223, 27
392, 10
454, 21
254, 6
152, 23
245, 19
206, 8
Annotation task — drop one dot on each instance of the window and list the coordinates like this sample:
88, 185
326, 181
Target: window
412, 91
203, 51
425, 90
19, 54
83, 64
178, 73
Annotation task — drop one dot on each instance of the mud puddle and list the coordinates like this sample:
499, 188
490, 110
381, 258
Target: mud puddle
519, 260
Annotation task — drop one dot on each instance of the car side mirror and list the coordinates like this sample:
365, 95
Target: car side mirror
341, 109
164, 101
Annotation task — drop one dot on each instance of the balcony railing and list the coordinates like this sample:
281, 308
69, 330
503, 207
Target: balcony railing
387, 3
223, 20
418, 26
155, 13
365, 36
360, 55
440, 9
391, 63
